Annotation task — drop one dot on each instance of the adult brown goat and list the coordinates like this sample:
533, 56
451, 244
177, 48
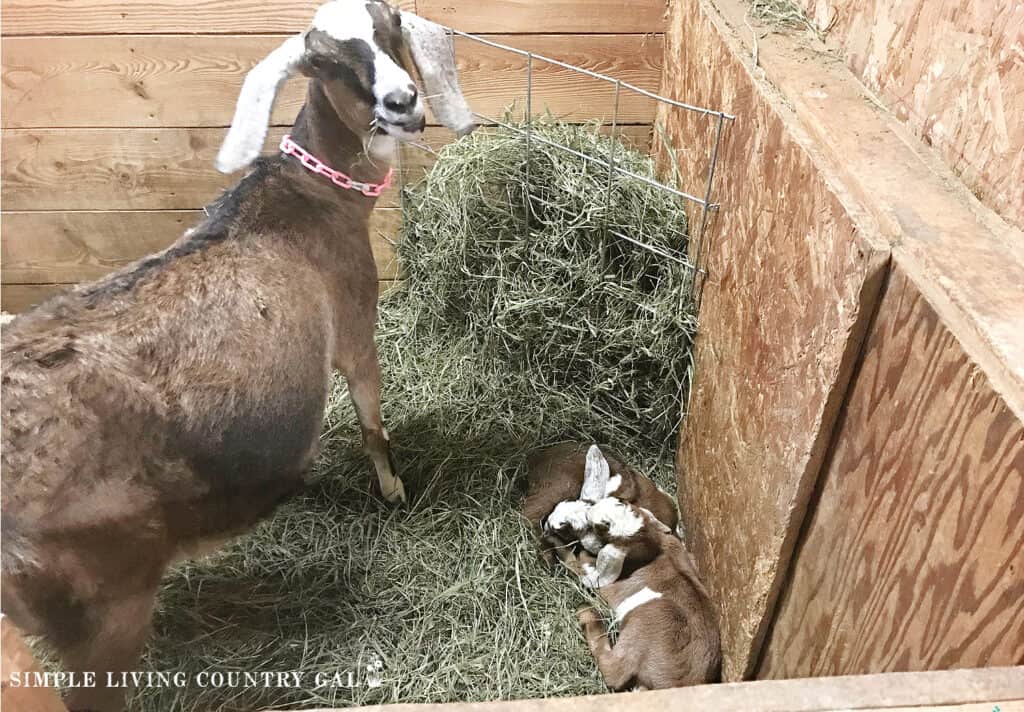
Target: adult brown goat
175, 403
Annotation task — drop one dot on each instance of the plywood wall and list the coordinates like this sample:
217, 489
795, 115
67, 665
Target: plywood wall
112, 112
953, 71
792, 282
914, 556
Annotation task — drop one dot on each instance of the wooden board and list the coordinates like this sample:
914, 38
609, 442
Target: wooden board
29, 17
953, 72
177, 80
63, 247
993, 690
576, 16
114, 169
17, 660
70, 17
793, 276
914, 556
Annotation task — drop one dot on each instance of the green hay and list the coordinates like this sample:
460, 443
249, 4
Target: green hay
782, 14
505, 337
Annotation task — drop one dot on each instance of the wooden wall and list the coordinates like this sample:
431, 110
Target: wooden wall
914, 556
791, 278
953, 72
911, 557
113, 112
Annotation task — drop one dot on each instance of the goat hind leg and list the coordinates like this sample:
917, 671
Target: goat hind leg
364, 389
108, 642
616, 668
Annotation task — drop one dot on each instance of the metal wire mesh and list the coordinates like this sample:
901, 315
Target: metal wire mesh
699, 196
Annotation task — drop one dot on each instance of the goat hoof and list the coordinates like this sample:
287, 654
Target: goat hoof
396, 494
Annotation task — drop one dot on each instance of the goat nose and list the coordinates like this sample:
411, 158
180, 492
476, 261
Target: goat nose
401, 100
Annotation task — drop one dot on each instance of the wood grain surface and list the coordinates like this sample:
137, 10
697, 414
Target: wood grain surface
61, 17
177, 80
61, 247
70, 17
953, 71
914, 556
989, 690
16, 659
793, 276
152, 169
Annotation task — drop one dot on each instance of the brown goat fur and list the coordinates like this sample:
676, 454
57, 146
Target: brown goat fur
556, 474
159, 411
671, 640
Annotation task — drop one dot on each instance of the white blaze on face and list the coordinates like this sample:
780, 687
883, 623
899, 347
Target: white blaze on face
622, 521
572, 513
351, 20
613, 484
644, 595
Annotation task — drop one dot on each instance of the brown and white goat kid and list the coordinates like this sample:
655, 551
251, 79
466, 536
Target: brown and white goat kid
565, 480
667, 630
175, 403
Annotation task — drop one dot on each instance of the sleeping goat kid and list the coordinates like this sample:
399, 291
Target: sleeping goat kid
565, 480
667, 631
175, 403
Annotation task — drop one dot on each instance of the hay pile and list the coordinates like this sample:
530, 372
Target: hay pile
508, 334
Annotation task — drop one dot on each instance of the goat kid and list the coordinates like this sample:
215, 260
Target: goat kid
667, 630
176, 402
565, 480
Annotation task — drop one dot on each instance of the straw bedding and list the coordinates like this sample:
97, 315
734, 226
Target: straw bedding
508, 333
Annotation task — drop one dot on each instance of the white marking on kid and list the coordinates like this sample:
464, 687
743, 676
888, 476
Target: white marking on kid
619, 517
569, 513
644, 595
613, 484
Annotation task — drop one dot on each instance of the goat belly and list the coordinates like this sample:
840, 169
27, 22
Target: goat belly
257, 459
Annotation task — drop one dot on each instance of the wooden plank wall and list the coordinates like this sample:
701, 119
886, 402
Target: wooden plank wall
113, 112
912, 555
953, 71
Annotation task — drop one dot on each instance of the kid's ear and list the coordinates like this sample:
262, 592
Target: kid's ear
595, 476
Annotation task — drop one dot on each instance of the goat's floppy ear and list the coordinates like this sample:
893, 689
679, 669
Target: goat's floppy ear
595, 476
252, 113
432, 52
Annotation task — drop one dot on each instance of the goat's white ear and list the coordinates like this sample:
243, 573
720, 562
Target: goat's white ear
595, 476
252, 113
435, 60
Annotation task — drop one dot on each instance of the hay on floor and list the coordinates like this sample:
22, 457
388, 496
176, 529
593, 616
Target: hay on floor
508, 334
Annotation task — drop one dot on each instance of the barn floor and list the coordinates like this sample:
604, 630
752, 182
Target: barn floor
448, 593
446, 598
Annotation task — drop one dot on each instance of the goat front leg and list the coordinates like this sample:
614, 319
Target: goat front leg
364, 388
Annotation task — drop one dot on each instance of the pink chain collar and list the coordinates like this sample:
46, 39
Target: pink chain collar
315, 165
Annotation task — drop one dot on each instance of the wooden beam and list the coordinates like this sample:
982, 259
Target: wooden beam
66, 247
154, 169
78, 17
948, 691
179, 80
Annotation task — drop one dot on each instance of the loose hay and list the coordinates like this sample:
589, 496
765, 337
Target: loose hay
507, 335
